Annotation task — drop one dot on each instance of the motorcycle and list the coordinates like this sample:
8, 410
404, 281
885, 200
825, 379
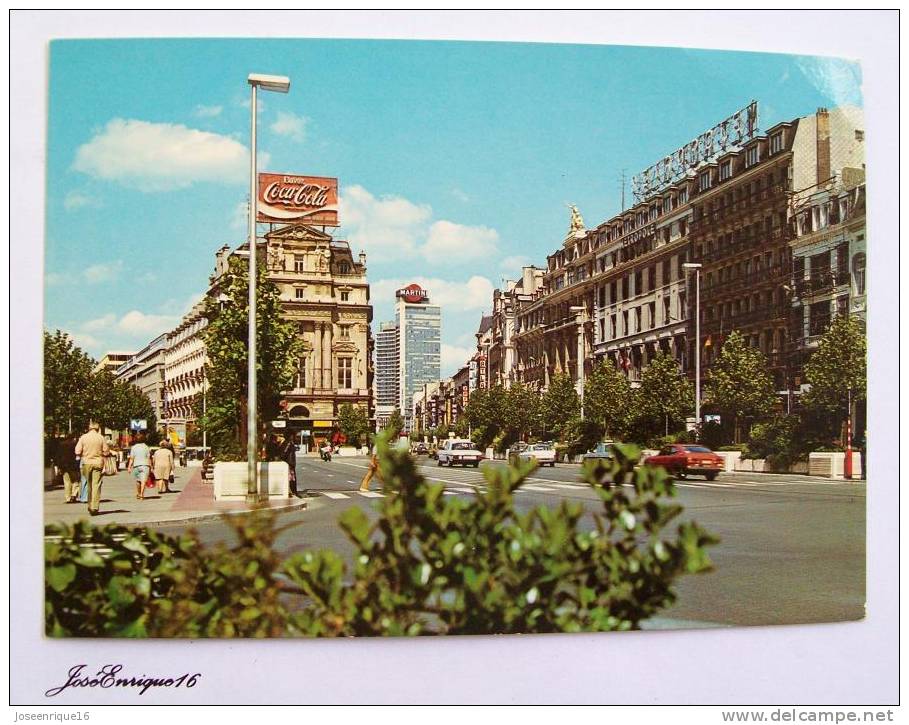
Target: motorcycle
325, 454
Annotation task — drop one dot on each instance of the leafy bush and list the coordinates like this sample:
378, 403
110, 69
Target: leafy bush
429, 564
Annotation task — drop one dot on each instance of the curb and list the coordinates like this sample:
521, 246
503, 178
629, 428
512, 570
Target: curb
211, 516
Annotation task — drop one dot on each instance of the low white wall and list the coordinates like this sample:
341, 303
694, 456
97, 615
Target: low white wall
832, 464
730, 460
231, 480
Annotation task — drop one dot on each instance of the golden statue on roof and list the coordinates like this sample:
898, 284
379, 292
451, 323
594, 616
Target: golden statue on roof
577, 221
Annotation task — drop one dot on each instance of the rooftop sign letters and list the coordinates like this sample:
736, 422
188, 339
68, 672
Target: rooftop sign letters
308, 199
413, 293
736, 130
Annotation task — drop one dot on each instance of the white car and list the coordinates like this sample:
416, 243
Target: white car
458, 452
542, 453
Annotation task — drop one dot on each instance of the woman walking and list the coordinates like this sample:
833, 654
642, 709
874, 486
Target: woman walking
139, 464
163, 462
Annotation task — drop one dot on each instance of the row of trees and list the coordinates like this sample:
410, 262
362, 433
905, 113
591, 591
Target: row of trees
74, 395
738, 387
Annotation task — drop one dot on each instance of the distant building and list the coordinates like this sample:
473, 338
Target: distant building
184, 371
112, 361
145, 370
387, 394
419, 326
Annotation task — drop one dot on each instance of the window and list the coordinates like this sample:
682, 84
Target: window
859, 135
345, 296
683, 196
625, 285
667, 205
651, 313
638, 282
612, 293
666, 314
637, 319
651, 278
776, 143
858, 272
300, 376
726, 170
299, 263
612, 326
344, 332
343, 268
704, 181
667, 271
752, 156
299, 293
345, 372
624, 322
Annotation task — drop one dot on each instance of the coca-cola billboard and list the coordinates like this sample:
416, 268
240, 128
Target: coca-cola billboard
289, 197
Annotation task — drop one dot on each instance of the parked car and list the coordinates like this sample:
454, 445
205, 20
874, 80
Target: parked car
602, 452
542, 453
458, 451
683, 459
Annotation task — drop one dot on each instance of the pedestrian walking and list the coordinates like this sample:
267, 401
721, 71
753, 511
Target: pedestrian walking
163, 464
139, 464
372, 470
288, 452
91, 448
65, 459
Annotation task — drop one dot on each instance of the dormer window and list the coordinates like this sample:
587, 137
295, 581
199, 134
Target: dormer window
343, 268
667, 205
776, 143
752, 156
704, 180
725, 170
683, 196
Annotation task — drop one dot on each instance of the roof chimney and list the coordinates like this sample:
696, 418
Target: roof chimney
823, 145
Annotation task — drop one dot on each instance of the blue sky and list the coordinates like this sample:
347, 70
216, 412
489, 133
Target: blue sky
455, 160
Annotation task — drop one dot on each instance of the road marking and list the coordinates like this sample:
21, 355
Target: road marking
536, 487
334, 494
371, 494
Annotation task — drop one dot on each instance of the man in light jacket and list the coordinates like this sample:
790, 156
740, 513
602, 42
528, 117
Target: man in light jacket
91, 448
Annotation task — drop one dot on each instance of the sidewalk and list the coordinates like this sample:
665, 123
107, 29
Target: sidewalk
191, 500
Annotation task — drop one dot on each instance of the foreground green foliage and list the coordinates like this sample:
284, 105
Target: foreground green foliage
429, 564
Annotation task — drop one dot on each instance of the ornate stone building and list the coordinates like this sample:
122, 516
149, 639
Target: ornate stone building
184, 371
324, 292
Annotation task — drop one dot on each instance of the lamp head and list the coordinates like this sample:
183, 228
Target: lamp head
278, 84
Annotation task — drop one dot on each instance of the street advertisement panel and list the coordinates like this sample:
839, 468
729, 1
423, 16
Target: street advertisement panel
287, 198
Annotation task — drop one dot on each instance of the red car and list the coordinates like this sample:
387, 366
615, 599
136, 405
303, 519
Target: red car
681, 459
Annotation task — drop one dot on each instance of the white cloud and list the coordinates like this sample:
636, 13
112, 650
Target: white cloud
290, 125
161, 156
207, 111
457, 243
77, 200
100, 323
514, 264
460, 195
472, 294
240, 218
139, 324
837, 78
87, 342
260, 104
389, 222
102, 272
454, 358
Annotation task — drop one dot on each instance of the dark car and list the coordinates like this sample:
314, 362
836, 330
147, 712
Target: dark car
683, 459
420, 449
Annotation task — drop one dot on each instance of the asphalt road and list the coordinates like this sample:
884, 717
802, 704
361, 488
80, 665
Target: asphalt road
792, 548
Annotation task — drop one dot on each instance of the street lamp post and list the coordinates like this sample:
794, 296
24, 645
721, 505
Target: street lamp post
581, 313
696, 266
279, 84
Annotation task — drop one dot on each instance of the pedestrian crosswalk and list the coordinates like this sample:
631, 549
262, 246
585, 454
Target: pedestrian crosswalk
465, 482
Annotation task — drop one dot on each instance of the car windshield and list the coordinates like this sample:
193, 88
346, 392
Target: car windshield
461, 446
698, 449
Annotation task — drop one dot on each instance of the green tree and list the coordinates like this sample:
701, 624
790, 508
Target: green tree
664, 399
739, 385
67, 385
486, 412
395, 425
522, 412
837, 371
353, 422
607, 400
118, 402
559, 405
278, 356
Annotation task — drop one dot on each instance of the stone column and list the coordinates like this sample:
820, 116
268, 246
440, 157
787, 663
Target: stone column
326, 362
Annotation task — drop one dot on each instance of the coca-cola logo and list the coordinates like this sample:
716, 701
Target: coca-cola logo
413, 293
287, 197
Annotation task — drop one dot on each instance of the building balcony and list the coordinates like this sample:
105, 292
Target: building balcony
741, 242
820, 282
749, 281
745, 319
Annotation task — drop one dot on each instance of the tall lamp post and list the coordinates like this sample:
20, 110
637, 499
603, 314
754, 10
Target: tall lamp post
696, 266
279, 84
581, 313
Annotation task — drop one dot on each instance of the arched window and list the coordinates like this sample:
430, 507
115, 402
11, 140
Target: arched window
858, 272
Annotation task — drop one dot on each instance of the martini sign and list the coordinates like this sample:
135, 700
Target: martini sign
285, 198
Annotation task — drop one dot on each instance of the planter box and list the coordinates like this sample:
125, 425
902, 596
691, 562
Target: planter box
832, 465
231, 480
799, 467
759, 465
730, 460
